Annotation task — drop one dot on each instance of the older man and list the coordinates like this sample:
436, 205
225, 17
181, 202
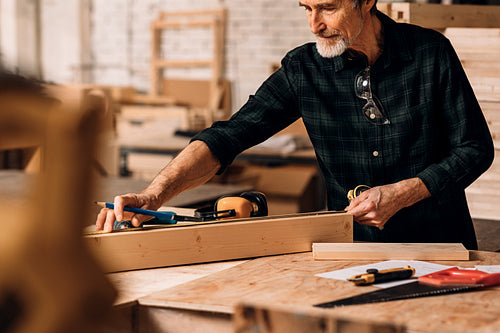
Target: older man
385, 104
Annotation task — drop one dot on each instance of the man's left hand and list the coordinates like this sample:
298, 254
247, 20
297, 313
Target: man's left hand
377, 205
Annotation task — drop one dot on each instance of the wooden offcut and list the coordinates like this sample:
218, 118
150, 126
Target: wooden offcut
245, 238
390, 251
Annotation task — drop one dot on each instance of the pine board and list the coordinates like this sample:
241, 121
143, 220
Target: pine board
390, 251
245, 238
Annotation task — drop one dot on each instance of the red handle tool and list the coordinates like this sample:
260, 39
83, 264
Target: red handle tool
457, 276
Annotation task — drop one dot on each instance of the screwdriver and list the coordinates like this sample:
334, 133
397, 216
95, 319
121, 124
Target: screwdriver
373, 275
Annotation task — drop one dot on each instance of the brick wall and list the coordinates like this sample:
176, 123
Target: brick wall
259, 32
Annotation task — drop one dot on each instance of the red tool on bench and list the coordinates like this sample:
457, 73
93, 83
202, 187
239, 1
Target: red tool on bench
451, 280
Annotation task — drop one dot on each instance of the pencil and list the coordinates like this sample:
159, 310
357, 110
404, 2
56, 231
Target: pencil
162, 216
159, 215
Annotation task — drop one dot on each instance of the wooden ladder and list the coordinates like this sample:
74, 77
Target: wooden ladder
214, 19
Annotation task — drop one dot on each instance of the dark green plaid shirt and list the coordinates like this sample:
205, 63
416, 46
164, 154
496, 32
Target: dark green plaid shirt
437, 130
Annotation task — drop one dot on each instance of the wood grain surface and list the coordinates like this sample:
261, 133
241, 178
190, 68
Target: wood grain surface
235, 239
290, 281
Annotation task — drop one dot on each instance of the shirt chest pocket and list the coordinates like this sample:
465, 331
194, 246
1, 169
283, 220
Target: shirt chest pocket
414, 130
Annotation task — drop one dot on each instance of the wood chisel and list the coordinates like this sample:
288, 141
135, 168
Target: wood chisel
451, 280
373, 275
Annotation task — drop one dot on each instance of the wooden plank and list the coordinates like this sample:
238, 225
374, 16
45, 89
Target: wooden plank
28, 38
154, 74
483, 195
181, 24
390, 251
132, 285
191, 13
261, 318
151, 99
461, 33
290, 281
182, 63
245, 238
85, 50
436, 16
478, 50
486, 88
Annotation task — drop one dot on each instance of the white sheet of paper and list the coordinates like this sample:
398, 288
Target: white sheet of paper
488, 268
421, 268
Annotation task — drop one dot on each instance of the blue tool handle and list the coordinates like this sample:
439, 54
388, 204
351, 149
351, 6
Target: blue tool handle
158, 221
163, 216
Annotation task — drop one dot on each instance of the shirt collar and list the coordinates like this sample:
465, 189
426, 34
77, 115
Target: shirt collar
396, 46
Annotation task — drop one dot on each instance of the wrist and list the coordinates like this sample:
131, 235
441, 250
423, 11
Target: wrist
157, 192
412, 191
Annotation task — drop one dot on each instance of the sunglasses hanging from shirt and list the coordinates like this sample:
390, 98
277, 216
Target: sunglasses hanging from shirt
373, 109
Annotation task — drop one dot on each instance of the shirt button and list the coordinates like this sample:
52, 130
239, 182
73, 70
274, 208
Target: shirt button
375, 153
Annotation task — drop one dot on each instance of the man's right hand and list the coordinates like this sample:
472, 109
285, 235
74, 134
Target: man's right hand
193, 166
106, 218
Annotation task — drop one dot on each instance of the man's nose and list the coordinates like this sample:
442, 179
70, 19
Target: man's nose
316, 22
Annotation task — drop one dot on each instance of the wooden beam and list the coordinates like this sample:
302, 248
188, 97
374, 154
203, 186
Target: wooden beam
161, 63
149, 99
28, 37
180, 24
245, 238
85, 27
439, 17
164, 15
390, 251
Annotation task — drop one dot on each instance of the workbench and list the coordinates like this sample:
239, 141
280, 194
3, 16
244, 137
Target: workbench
16, 184
146, 130
201, 298
172, 145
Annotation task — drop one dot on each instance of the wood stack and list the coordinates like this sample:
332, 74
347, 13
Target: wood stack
478, 50
440, 17
475, 34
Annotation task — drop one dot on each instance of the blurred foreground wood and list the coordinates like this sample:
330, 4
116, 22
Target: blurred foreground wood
48, 281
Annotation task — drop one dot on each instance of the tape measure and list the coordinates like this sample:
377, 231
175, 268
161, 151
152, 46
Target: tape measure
357, 191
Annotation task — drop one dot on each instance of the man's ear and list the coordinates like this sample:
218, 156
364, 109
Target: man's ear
369, 4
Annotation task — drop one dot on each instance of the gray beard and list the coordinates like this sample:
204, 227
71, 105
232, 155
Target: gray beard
329, 50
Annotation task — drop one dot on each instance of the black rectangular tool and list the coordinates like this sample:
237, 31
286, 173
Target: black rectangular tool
373, 275
404, 291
